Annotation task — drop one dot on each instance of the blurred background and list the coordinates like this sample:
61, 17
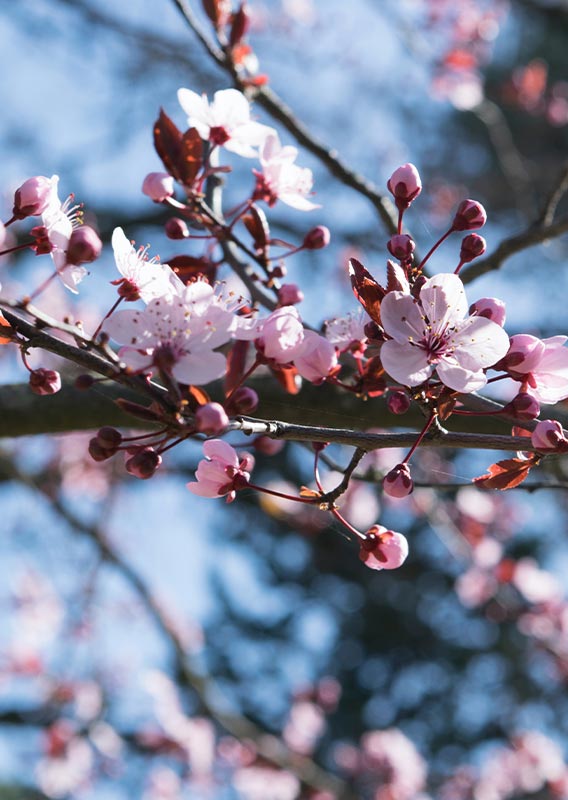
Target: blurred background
143, 628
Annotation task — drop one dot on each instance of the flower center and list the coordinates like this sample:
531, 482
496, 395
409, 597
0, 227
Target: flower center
218, 135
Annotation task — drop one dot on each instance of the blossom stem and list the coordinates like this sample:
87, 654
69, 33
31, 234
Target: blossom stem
399, 226
245, 377
421, 435
40, 288
17, 247
459, 266
434, 248
10, 221
106, 316
308, 500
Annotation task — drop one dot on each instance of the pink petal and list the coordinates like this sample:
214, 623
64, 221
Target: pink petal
406, 364
199, 368
443, 299
479, 342
401, 317
221, 451
459, 378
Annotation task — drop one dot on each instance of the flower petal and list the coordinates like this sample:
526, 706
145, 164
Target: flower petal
402, 318
405, 364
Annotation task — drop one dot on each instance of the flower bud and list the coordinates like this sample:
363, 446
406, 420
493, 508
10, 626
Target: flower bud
405, 185
268, 446
469, 215
158, 186
109, 438
97, 452
279, 271
84, 382
316, 239
383, 549
490, 307
398, 482
243, 401
373, 332
472, 246
549, 435
33, 196
84, 246
401, 246
211, 419
144, 463
176, 228
524, 354
290, 294
2, 234
398, 402
524, 406
45, 381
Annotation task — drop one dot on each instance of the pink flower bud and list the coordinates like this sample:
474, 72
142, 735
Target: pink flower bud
398, 482
158, 186
211, 419
490, 307
524, 354
176, 228
243, 401
316, 359
97, 452
401, 246
279, 271
383, 549
290, 294
549, 435
84, 246
2, 234
317, 238
469, 215
45, 381
33, 196
144, 463
109, 438
398, 402
472, 246
405, 185
268, 446
524, 406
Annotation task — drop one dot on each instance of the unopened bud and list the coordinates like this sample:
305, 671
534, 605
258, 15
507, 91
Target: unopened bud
401, 246
144, 463
290, 294
405, 185
469, 215
84, 246
279, 271
243, 401
473, 245
524, 354
97, 452
109, 437
176, 228
383, 549
158, 186
268, 446
2, 234
45, 381
317, 238
524, 406
549, 435
211, 419
33, 196
490, 307
398, 482
398, 402
84, 382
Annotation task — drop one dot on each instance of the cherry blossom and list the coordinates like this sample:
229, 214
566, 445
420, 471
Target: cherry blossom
542, 365
279, 337
176, 334
225, 121
281, 178
142, 277
317, 358
222, 471
34, 196
348, 331
383, 549
60, 220
431, 334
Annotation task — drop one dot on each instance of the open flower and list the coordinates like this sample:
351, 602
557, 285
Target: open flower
142, 277
431, 334
176, 334
542, 365
60, 220
222, 471
225, 121
280, 178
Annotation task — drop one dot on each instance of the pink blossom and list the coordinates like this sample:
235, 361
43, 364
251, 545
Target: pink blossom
33, 196
317, 238
225, 121
394, 760
383, 549
211, 419
222, 471
473, 245
290, 294
348, 331
542, 364
490, 307
45, 381
281, 178
60, 220
398, 482
142, 277
404, 185
158, 186
317, 357
84, 246
431, 334
176, 334
280, 336
469, 215
401, 246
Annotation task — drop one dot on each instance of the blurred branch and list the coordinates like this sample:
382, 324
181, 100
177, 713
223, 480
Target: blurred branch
211, 699
557, 193
276, 107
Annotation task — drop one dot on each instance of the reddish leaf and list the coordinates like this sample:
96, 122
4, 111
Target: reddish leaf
393, 283
257, 225
305, 491
168, 143
196, 397
188, 268
191, 156
236, 363
6, 330
446, 405
506, 474
288, 378
366, 289
239, 26
372, 382
216, 10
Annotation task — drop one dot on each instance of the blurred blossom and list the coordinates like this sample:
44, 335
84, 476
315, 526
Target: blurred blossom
263, 783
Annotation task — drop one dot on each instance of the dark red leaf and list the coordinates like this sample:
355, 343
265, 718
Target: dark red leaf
216, 11
373, 381
168, 143
288, 378
366, 289
191, 156
197, 397
257, 225
236, 364
188, 268
506, 474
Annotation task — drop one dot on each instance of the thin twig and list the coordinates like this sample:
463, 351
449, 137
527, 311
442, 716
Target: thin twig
558, 191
